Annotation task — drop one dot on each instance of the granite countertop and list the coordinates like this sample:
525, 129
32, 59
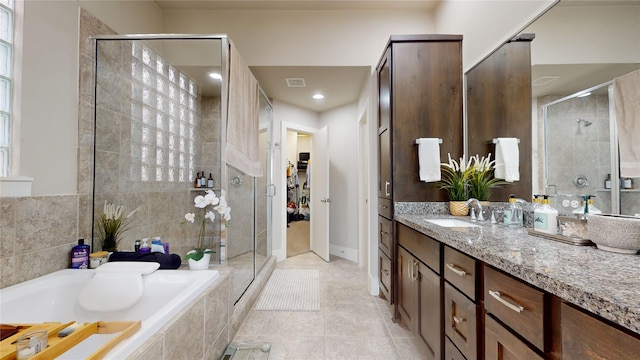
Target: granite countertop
604, 283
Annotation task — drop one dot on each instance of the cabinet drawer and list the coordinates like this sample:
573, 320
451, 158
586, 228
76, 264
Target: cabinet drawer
516, 304
384, 235
461, 321
586, 337
500, 343
384, 268
421, 246
461, 271
451, 352
384, 208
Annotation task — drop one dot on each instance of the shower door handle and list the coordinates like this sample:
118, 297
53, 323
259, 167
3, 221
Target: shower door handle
270, 190
325, 200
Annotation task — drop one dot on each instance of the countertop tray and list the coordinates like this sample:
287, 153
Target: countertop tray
59, 345
564, 239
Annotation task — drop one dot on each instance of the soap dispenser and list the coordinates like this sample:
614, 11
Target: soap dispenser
545, 218
515, 212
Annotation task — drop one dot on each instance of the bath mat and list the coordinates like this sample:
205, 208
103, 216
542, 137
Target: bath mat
291, 290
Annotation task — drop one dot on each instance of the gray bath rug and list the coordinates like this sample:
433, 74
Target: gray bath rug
291, 290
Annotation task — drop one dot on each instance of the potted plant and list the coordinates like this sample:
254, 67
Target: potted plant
200, 256
482, 179
112, 224
455, 180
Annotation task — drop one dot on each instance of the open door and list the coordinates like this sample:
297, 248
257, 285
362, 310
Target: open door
320, 199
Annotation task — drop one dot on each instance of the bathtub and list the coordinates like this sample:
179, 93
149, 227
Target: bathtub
53, 297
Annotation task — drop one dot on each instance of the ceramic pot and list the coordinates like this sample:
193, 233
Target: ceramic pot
202, 264
458, 208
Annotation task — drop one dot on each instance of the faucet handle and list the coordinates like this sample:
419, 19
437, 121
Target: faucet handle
493, 217
473, 214
480, 215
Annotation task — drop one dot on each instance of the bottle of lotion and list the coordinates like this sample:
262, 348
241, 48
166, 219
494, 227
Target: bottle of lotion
546, 218
80, 255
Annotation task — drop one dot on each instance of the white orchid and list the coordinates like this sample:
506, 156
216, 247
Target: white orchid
219, 205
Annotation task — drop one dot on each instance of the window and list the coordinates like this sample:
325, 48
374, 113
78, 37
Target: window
167, 101
6, 82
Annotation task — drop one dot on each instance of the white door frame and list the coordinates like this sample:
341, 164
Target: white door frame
287, 126
363, 191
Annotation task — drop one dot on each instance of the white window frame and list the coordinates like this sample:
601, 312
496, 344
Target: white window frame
6, 167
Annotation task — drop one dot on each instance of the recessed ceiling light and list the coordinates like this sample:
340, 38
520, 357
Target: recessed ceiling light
215, 76
318, 96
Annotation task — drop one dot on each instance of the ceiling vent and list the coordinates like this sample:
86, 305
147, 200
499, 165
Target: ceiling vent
543, 80
295, 82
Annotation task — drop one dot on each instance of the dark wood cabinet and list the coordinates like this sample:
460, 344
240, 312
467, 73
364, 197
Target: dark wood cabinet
586, 337
501, 344
419, 95
419, 289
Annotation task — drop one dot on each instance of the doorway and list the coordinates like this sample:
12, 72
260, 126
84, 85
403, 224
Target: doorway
298, 155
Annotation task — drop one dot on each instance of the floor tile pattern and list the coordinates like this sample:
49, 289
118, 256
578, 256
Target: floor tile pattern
351, 323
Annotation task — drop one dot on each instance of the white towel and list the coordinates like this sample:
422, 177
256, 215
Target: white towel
243, 143
507, 159
429, 159
626, 95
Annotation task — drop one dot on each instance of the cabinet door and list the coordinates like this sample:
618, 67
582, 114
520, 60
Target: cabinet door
585, 337
500, 344
384, 92
384, 235
429, 328
384, 163
461, 321
407, 289
384, 268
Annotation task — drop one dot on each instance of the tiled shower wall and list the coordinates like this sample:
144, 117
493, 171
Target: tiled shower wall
575, 149
37, 233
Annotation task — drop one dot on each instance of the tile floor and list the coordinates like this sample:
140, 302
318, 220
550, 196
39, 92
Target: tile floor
351, 324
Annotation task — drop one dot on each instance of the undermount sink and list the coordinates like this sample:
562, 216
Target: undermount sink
451, 223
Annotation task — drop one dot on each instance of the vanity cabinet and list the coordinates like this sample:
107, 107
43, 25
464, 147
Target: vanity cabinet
462, 310
419, 288
586, 337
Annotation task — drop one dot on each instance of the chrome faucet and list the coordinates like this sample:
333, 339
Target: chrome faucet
480, 216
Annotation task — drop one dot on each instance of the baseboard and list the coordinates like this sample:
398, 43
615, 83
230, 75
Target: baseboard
374, 285
343, 252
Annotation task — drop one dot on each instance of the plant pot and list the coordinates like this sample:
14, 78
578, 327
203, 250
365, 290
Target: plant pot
458, 208
202, 264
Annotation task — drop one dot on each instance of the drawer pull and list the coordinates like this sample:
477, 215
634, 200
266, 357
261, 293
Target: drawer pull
386, 188
456, 270
515, 307
385, 272
459, 320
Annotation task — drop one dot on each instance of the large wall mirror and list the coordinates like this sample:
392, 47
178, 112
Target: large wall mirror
577, 46
580, 47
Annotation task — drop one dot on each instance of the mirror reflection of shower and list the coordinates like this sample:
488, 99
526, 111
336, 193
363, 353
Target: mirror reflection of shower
582, 123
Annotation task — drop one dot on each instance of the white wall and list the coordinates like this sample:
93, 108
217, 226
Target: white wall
49, 96
486, 24
308, 38
610, 30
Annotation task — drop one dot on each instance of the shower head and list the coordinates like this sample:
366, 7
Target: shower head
584, 122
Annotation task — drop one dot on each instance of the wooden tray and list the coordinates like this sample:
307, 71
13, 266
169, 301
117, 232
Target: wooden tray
564, 239
59, 345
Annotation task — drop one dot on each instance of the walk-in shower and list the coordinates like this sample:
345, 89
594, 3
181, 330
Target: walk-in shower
160, 119
581, 152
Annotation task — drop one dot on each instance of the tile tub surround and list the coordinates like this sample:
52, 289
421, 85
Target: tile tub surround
600, 282
201, 331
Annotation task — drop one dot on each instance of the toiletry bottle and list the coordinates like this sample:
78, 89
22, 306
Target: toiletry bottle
145, 248
515, 220
506, 213
156, 245
607, 182
136, 245
591, 207
210, 181
203, 180
196, 182
626, 184
80, 255
546, 218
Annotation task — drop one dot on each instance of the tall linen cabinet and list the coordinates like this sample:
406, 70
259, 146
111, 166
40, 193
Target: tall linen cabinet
419, 96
